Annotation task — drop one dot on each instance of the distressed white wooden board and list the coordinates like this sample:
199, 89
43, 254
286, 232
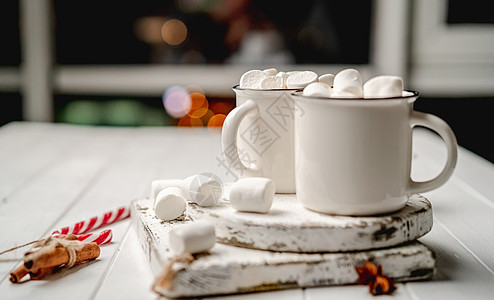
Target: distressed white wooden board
229, 269
290, 227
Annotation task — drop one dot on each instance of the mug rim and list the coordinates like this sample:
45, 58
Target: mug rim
237, 87
412, 95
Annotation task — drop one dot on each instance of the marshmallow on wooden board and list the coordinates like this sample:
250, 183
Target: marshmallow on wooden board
252, 194
348, 84
252, 79
383, 86
203, 189
317, 89
300, 79
327, 79
170, 203
161, 184
192, 237
270, 71
272, 82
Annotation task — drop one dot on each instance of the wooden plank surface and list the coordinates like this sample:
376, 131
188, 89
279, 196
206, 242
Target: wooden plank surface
52, 171
44, 197
464, 211
102, 168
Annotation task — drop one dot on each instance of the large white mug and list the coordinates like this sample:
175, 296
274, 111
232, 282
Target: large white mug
353, 156
257, 136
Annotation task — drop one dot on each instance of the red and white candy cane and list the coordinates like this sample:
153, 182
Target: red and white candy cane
101, 238
96, 222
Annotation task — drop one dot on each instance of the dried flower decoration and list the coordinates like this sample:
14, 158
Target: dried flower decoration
371, 275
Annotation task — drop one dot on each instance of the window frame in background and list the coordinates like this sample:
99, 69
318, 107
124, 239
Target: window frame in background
450, 60
39, 80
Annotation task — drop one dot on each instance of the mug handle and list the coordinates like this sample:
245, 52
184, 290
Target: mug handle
446, 133
229, 135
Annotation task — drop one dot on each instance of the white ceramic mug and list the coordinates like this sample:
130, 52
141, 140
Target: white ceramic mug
257, 136
353, 156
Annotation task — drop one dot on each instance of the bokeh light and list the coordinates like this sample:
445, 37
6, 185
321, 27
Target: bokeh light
208, 115
123, 112
217, 120
199, 105
187, 121
190, 107
148, 29
177, 101
174, 32
83, 112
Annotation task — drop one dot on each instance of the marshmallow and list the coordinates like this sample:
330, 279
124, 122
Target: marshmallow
252, 79
161, 184
327, 79
348, 84
270, 71
383, 86
317, 89
272, 82
203, 189
283, 75
192, 237
300, 79
170, 203
252, 194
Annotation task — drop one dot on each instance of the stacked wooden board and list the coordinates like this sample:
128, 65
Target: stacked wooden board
291, 247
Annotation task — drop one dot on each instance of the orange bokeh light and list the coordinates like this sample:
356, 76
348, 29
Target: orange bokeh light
199, 105
187, 121
148, 29
216, 120
208, 115
174, 32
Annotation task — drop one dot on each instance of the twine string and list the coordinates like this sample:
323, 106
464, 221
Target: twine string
43, 246
165, 280
48, 244
15, 248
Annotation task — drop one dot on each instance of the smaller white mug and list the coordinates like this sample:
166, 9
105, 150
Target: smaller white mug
257, 136
353, 156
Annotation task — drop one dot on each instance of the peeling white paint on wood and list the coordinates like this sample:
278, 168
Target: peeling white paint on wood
228, 269
290, 227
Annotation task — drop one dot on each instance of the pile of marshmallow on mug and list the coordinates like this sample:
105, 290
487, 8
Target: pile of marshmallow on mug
345, 84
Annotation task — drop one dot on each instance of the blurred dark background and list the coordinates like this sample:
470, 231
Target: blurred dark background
243, 34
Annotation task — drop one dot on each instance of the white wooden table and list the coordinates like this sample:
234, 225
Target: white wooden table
53, 175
